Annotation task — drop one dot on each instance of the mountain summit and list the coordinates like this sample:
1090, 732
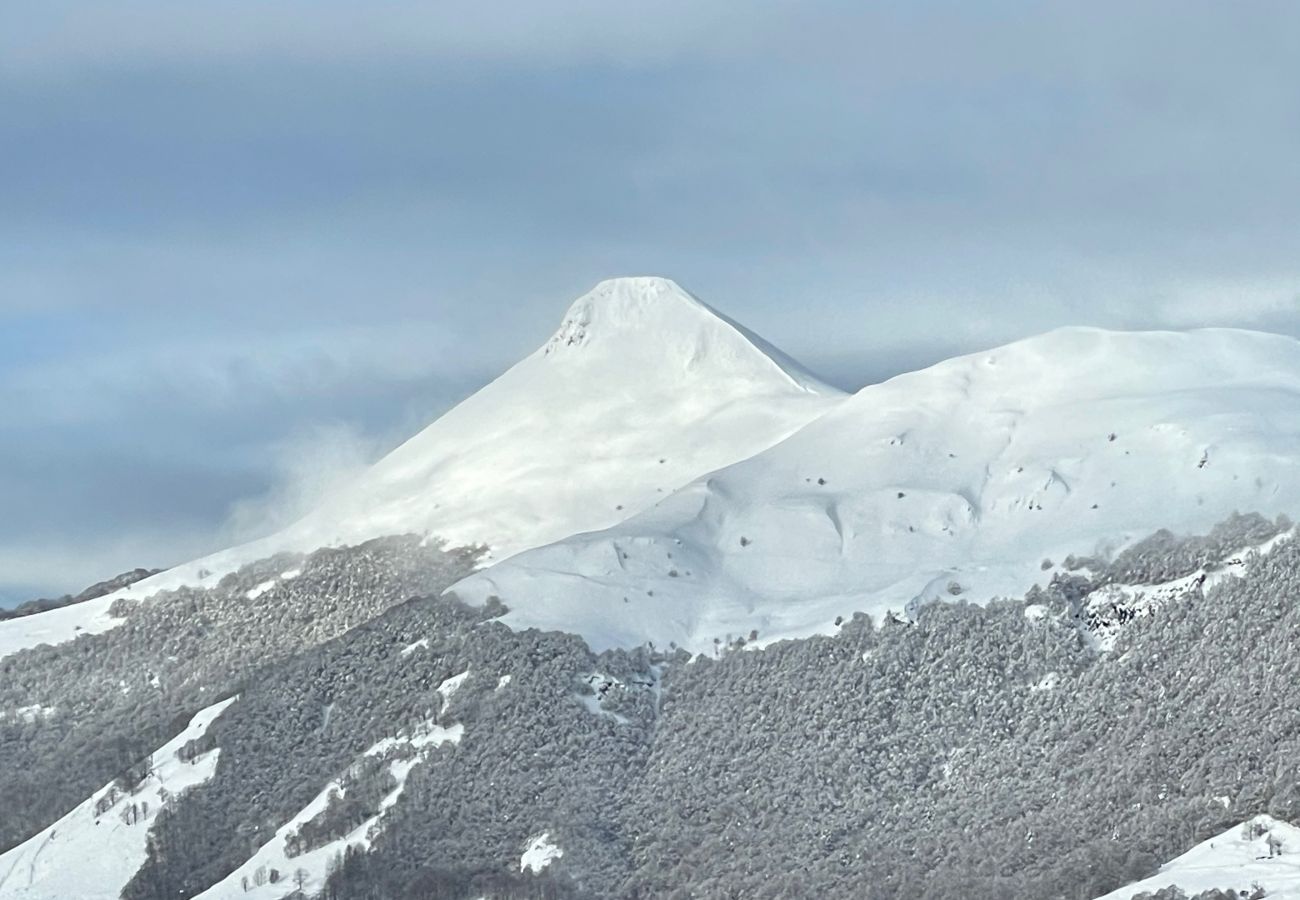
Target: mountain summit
667, 328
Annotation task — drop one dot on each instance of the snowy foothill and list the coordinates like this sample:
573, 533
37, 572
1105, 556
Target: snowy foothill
94, 851
57, 626
1261, 853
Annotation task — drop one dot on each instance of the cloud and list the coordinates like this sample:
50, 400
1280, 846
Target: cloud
308, 465
225, 224
1269, 305
71, 34
239, 372
164, 453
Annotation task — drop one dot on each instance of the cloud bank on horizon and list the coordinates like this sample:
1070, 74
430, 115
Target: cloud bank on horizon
244, 246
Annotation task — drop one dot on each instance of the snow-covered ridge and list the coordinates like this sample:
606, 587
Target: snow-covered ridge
957, 480
642, 389
1261, 853
95, 850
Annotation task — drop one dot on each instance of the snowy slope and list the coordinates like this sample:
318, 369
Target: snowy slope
641, 389
959, 479
93, 851
1236, 860
309, 870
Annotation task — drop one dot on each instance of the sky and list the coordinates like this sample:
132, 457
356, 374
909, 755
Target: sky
246, 247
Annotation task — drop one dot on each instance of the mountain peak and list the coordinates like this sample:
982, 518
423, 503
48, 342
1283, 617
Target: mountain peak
629, 302
636, 290
645, 286
654, 320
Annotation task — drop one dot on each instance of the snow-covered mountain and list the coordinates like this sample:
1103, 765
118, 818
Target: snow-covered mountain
1263, 853
959, 480
654, 473
642, 389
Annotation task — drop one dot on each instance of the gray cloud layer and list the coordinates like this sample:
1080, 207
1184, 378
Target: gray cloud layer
230, 226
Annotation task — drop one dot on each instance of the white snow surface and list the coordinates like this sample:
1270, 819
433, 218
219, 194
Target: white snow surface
261, 589
58, 625
541, 852
642, 389
92, 857
972, 471
1234, 860
421, 644
450, 687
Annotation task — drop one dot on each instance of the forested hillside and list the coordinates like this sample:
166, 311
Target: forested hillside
75, 715
976, 751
